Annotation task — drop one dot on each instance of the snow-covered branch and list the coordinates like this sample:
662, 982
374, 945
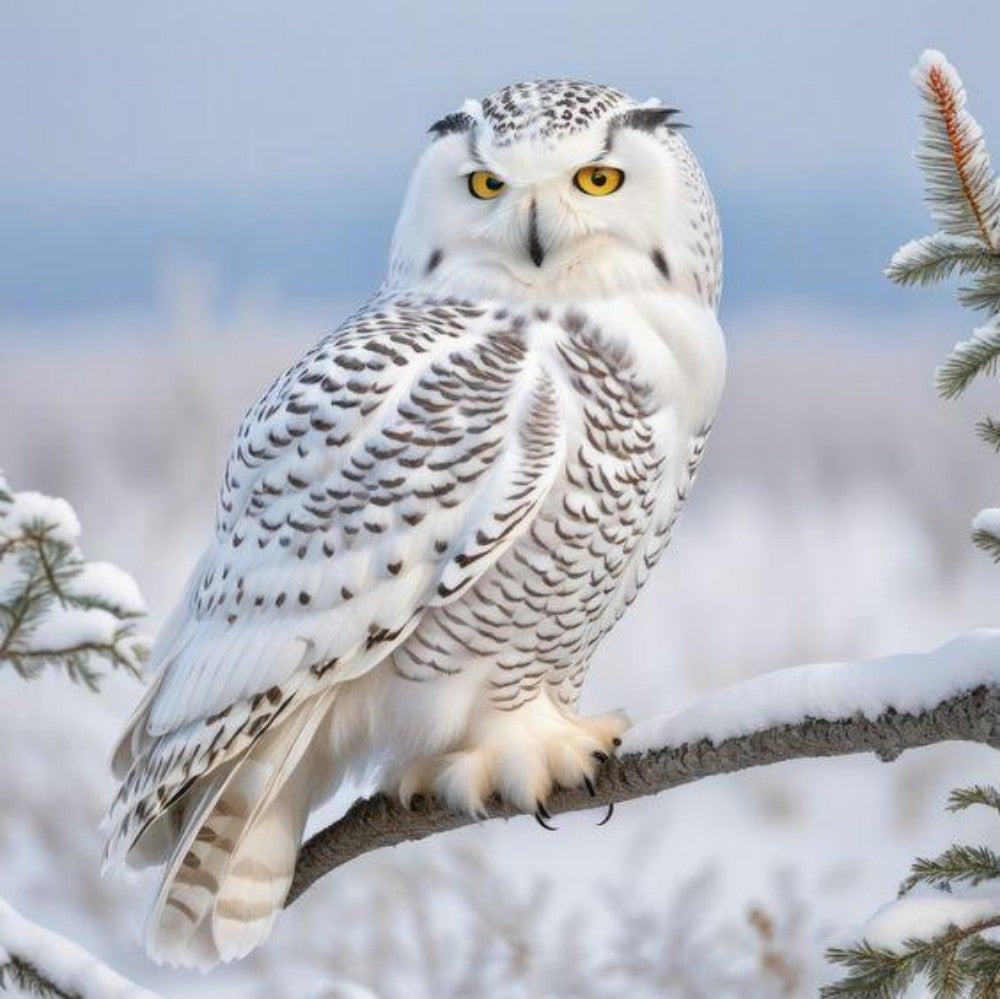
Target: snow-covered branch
962, 193
55, 608
40, 962
882, 706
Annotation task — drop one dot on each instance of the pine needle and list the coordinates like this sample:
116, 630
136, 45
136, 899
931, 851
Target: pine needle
970, 865
983, 295
978, 794
975, 356
988, 431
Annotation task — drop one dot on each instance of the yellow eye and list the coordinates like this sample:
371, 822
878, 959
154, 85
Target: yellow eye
485, 185
599, 180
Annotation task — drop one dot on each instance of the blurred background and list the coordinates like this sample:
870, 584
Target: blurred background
192, 193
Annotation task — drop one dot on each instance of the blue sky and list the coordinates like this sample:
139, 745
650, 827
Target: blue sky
271, 141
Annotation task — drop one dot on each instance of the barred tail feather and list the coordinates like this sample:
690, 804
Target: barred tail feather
233, 862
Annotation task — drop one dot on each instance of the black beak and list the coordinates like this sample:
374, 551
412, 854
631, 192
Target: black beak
535, 250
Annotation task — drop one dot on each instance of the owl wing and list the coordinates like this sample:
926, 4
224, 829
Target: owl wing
377, 478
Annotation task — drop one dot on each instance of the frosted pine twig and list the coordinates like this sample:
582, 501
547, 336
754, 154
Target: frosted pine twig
56, 608
961, 191
884, 706
41, 962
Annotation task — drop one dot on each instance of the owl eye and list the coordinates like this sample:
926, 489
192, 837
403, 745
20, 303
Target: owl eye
485, 185
599, 180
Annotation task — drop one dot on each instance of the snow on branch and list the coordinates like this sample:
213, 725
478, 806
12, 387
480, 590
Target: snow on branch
55, 608
935, 928
39, 962
935, 258
962, 193
986, 531
975, 356
830, 709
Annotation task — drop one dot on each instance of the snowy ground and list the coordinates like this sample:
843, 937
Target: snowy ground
830, 523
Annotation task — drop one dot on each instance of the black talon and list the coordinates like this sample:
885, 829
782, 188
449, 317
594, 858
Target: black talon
600, 756
541, 821
542, 810
616, 742
607, 818
589, 784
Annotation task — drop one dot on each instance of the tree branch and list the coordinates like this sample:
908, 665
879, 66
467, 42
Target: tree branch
972, 715
42, 962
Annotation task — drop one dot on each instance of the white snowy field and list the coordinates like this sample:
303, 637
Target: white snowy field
830, 522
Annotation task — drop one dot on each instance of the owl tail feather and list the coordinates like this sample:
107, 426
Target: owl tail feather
235, 854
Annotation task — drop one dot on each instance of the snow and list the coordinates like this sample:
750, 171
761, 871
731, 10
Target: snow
28, 508
110, 585
988, 521
69, 627
925, 913
64, 963
933, 59
910, 683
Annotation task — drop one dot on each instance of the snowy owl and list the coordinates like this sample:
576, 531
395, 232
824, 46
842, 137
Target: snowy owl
427, 524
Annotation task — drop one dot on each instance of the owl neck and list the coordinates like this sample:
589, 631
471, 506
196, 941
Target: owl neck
592, 276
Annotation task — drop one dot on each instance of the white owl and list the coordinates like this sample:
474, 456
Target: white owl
427, 524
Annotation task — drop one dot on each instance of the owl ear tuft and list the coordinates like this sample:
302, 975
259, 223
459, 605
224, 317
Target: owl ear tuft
648, 119
458, 121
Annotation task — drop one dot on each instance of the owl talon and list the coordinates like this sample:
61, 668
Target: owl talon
541, 815
601, 757
607, 818
589, 785
616, 742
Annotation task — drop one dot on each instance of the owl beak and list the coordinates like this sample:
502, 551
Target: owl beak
535, 249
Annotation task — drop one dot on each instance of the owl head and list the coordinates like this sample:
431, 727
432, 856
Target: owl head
557, 190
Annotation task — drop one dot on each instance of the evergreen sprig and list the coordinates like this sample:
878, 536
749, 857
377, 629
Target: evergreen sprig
969, 865
957, 963
41, 577
976, 356
961, 191
976, 794
935, 258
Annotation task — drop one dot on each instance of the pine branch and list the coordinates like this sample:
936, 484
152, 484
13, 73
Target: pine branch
961, 191
988, 431
982, 960
975, 356
932, 259
18, 974
380, 821
965, 797
969, 865
40, 962
988, 542
57, 609
880, 973
874, 972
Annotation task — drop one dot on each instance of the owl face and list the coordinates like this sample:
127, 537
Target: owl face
555, 190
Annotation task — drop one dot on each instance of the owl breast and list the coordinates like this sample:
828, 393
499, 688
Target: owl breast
636, 408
